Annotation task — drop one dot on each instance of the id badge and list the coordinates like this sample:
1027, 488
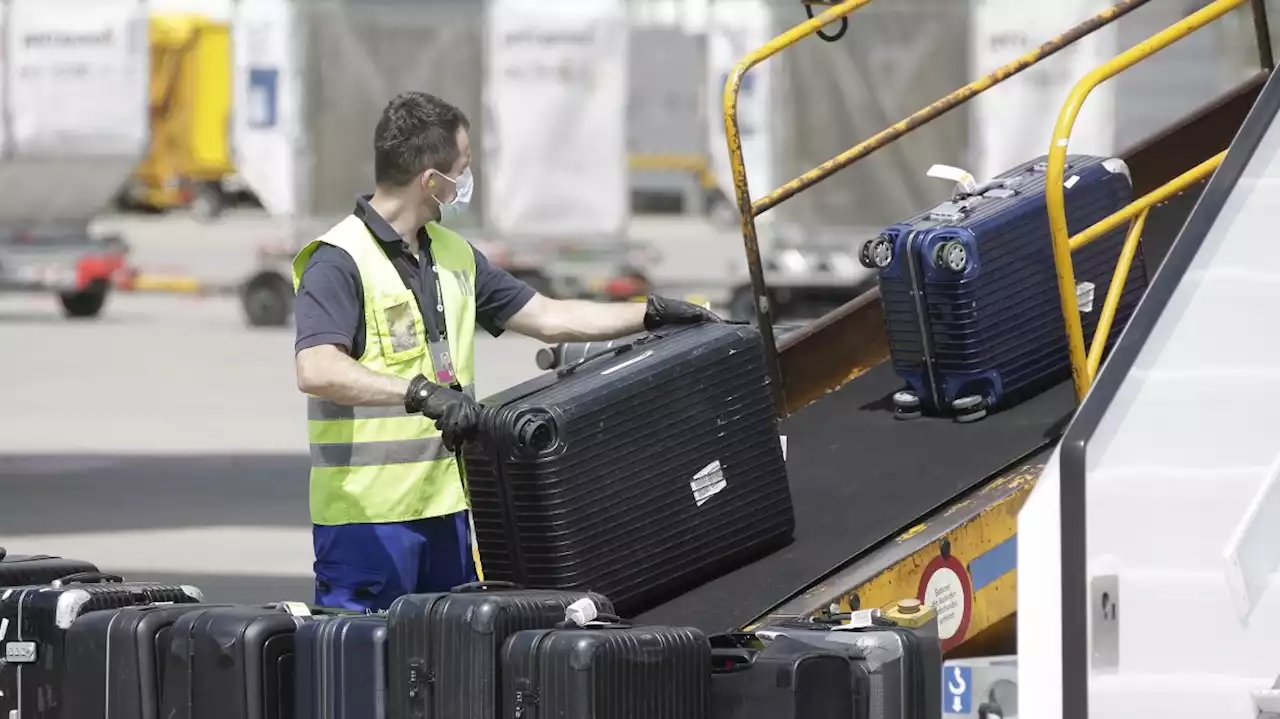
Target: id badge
442, 363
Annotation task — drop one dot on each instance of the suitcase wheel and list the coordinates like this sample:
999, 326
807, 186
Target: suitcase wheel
970, 408
876, 253
906, 405
951, 255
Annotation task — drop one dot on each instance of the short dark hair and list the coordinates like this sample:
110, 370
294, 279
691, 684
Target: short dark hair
416, 132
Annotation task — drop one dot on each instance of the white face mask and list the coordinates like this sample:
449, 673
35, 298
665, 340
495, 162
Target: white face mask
462, 198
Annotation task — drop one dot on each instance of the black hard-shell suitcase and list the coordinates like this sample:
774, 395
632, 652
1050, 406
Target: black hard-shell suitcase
340, 668
970, 288
34, 622
609, 671
115, 661
637, 473
233, 662
905, 665
785, 679
24, 570
445, 649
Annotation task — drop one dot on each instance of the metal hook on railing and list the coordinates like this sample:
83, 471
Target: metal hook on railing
844, 21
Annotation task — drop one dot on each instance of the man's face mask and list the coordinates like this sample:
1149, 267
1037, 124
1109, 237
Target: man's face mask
461, 199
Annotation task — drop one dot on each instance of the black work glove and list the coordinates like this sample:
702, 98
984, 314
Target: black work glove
457, 416
661, 311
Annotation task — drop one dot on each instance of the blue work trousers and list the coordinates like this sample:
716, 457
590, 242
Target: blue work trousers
368, 566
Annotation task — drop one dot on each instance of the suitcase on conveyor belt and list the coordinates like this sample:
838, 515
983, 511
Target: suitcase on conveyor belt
607, 671
639, 471
340, 668
445, 648
234, 662
904, 665
785, 679
115, 661
23, 570
970, 287
36, 621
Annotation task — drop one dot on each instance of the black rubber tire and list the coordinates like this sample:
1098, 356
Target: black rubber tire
209, 203
267, 300
87, 303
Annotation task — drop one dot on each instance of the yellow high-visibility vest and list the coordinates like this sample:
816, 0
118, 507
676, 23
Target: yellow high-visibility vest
381, 464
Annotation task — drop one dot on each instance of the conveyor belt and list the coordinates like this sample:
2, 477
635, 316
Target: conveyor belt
858, 476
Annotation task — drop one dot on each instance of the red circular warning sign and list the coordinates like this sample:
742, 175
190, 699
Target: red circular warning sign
945, 586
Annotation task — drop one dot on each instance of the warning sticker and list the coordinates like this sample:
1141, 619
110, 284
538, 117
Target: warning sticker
945, 586
707, 483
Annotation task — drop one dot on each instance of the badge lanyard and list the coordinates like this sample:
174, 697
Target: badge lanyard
437, 326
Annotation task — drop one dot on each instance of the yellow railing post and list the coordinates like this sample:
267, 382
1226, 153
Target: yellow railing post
1054, 192
747, 215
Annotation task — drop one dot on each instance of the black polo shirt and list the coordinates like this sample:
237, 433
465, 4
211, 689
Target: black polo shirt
329, 309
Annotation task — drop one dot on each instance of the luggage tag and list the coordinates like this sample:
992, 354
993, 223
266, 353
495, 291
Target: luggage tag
296, 609
442, 363
963, 178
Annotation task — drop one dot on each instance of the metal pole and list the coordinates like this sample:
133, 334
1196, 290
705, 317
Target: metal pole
1263, 32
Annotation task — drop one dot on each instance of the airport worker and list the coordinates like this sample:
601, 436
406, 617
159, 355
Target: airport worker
387, 304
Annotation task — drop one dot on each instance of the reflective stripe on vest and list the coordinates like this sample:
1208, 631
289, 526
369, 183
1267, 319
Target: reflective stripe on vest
380, 464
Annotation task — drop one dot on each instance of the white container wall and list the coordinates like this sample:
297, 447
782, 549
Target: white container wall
74, 107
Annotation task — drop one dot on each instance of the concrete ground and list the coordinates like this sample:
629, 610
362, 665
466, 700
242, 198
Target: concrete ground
165, 440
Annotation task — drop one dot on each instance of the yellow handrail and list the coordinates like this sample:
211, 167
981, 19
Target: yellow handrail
1054, 193
1136, 211
1162, 193
748, 211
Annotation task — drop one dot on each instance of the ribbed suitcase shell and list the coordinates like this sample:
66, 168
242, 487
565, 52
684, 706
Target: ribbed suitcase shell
115, 661
610, 672
445, 649
996, 328
786, 679
37, 619
231, 662
23, 570
340, 668
626, 499
905, 665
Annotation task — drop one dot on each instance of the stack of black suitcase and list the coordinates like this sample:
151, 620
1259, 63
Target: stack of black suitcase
92, 645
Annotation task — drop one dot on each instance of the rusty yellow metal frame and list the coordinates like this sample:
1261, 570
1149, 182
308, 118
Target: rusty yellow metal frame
975, 529
748, 210
1081, 375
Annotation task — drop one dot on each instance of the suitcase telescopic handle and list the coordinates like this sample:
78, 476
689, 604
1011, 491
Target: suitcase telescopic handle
88, 578
569, 369
485, 587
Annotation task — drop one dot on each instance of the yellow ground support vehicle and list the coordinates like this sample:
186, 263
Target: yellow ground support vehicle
189, 162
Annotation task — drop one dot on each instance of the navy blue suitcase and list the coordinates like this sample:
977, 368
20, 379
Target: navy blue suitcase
340, 668
970, 289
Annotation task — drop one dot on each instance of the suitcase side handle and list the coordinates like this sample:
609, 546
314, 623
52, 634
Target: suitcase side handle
87, 578
569, 369
491, 586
